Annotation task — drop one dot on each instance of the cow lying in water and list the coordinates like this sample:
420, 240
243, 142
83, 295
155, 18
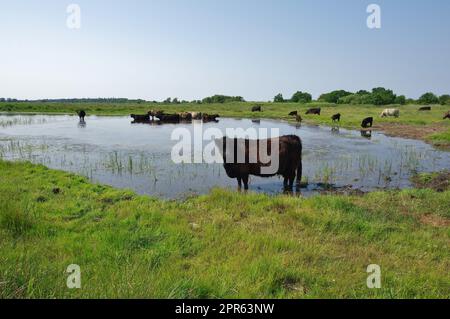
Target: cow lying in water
314, 111
390, 112
289, 159
140, 118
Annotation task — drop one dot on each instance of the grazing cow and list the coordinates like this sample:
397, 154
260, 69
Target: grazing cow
81, 115
298, 118
289, 158
314, 111
390, 112
425, 108
257, 108
336, 117
140, 118
367, 122
293, 113
447, 115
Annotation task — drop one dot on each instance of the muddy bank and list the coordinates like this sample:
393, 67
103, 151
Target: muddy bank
438, 182
414, 132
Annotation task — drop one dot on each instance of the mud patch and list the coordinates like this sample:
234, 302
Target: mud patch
414, 132
435, 220
438, 182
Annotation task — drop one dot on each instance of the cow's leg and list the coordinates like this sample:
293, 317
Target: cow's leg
245, 180
285, 181
239, 183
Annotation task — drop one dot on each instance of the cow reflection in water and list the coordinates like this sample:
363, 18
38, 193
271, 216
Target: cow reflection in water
366, 133
335, 130
82, 124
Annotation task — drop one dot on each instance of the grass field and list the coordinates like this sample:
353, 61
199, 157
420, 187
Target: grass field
428, 126
224, 244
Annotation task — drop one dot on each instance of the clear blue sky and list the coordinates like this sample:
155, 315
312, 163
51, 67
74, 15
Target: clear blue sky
194, 48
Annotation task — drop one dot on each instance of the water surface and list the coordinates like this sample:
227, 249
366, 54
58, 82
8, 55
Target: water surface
113, 151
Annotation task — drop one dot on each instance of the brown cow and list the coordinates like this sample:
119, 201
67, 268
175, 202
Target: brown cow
314, 111
447, 115
209, 118
298, 118
425, 108
289, 159
293, 113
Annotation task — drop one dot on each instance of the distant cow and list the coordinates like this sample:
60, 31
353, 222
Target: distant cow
298, 118
169, 118
196, 115
140, 118
209, 118
425, 108
257, 108
185, 116
289, 158
447, 115
336, 117
367, 122
293, 113
390, 112
155, 113
81, 115
314, 111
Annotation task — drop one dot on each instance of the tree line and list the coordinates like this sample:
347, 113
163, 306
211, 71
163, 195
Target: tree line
378, 96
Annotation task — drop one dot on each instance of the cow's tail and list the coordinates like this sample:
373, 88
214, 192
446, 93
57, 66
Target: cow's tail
300, 166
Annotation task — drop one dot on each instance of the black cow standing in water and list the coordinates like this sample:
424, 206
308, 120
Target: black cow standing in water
289, 159
81, 115
367, 122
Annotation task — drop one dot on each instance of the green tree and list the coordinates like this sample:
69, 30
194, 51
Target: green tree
334, 96
278, 98
444, 99
428, 98
401, 99
301, 97
382, 96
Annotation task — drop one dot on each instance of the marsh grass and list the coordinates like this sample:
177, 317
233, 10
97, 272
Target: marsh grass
242, 246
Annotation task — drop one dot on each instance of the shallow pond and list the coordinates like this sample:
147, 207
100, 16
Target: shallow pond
112, 150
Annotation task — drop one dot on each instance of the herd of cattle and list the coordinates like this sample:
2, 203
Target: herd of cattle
366, 123
163, 117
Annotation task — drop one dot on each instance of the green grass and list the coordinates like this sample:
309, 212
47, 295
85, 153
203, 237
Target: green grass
224, 244
352, 115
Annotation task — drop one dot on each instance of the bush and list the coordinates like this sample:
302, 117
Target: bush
278, 98
301, 97
401, 99
222, 99
428, 98
334, 96
444, 99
